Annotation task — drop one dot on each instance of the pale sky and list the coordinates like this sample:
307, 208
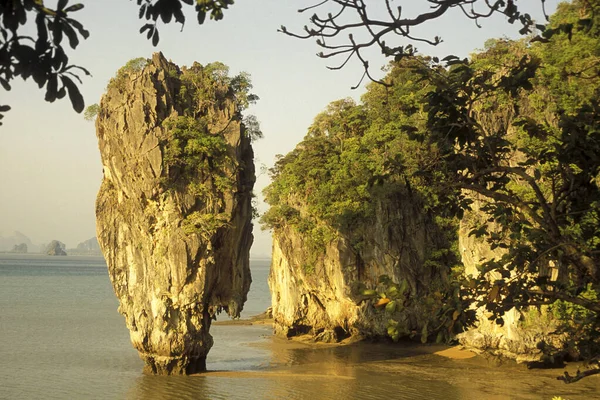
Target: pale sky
50, 167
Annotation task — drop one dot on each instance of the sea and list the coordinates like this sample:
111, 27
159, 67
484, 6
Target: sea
61, 337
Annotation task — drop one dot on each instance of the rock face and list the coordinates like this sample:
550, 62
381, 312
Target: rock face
324, 299
175, 234
56, 248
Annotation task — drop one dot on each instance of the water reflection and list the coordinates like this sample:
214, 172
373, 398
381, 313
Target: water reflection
366, 371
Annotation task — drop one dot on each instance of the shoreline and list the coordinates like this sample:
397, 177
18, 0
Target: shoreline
299, 361
259, 319
455, 352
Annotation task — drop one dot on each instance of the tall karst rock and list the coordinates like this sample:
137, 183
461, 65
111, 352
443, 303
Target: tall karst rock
174, 209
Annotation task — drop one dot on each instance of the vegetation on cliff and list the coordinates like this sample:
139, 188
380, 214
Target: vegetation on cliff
515, 129
197, 160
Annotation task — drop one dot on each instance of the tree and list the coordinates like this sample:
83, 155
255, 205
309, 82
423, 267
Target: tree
518, 130
44, 58
361, 23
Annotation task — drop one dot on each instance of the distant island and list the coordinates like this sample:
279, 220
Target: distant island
19, 248
56, 248
19, 243
14, 243
89, 247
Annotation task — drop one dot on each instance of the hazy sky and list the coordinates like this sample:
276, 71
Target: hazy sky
50, 166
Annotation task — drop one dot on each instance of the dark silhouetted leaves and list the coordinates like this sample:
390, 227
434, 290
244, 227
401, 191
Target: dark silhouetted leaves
74, 94
42, 57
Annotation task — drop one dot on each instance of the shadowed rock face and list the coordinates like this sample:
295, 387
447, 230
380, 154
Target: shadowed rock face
175, 237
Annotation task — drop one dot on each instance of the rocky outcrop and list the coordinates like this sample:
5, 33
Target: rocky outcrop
90, 247
175, 231
56, 248
20, 248
323, 297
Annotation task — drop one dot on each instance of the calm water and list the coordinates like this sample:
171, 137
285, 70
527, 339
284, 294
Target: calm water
61, 337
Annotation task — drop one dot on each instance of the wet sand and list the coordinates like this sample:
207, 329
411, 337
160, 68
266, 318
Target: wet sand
407, 370
260, 319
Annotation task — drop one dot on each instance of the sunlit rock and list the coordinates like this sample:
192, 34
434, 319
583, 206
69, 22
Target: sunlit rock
173, 216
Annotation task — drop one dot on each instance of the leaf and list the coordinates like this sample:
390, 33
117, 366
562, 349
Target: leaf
450, 58
5, 84
155, 38
42, 40
39, 75
455, 315
142, 10
74, 94
145, 28
403, 287
73, 39
77, 25
61, 93
494, 293
57, 32
61, 4
4, 108
179, 17
382, 302
51, 88
84, 70
201, 16
166, 14
390, 307
74, 7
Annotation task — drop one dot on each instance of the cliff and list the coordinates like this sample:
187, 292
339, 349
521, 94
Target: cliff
324, 295
174, 208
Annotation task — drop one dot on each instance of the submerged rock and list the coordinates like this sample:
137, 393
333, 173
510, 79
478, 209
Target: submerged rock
174, 208
56, 248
